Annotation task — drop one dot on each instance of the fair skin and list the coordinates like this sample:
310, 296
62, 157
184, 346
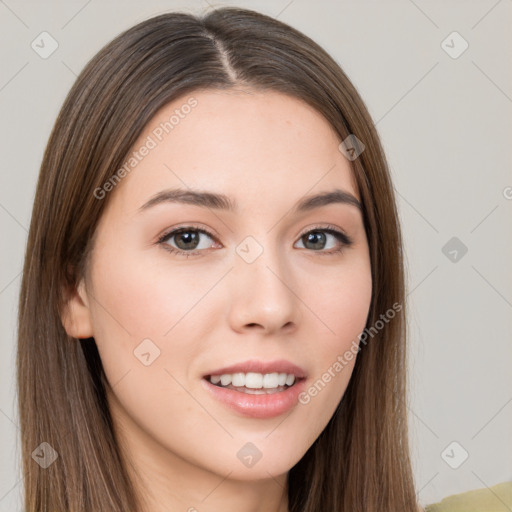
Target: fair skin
266, 151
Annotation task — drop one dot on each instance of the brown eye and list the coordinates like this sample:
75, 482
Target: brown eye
317, 239
314, 240
186, 240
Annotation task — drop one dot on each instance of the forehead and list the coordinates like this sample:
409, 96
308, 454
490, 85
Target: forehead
257, 147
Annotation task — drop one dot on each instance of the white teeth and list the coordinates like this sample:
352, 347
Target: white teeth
271, 380
225, 379
238, 379
254, 380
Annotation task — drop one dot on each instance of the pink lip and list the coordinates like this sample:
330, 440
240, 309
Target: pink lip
279, 366
257, 406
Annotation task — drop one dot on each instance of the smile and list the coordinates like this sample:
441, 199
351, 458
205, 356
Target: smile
254, 383
256, 402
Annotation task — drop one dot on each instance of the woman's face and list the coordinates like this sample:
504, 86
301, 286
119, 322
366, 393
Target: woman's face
266, 285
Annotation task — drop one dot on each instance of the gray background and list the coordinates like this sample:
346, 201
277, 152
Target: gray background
445, 123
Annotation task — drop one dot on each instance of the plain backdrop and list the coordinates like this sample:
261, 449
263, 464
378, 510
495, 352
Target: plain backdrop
443, 112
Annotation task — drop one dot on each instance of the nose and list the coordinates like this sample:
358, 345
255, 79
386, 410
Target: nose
263, 295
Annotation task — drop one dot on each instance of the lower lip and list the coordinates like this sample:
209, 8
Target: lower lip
257, 406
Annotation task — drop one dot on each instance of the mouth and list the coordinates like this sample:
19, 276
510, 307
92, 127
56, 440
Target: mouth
253, 383
257, 389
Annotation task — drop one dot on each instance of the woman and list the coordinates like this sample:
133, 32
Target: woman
212, 305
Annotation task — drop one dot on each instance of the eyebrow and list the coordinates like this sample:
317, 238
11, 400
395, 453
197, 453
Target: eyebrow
222, 202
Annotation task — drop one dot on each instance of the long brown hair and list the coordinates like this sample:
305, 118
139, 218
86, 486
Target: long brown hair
361, 459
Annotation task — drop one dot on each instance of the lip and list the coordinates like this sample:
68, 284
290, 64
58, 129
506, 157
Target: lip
278, 366
257, 406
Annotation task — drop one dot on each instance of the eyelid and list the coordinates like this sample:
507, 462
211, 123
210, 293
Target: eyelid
329, 228
192, 227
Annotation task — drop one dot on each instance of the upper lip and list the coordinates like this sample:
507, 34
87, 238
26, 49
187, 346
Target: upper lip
278, 366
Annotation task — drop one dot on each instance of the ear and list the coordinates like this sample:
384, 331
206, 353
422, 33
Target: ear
76, 316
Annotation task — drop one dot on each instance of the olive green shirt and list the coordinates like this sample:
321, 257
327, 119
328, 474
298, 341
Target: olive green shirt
490, 499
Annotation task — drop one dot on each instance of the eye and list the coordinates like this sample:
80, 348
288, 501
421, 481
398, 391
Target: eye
317, 238
187, 239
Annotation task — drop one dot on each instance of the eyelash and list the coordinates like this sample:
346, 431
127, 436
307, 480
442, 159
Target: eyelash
345, 240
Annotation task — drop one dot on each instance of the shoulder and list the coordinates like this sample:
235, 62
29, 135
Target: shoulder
489, 499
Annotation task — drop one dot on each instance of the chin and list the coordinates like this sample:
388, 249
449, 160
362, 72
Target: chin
251, 463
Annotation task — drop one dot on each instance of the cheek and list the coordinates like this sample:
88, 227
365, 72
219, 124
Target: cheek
150, 319
142, 329
341, 304
140, 299
134, 307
